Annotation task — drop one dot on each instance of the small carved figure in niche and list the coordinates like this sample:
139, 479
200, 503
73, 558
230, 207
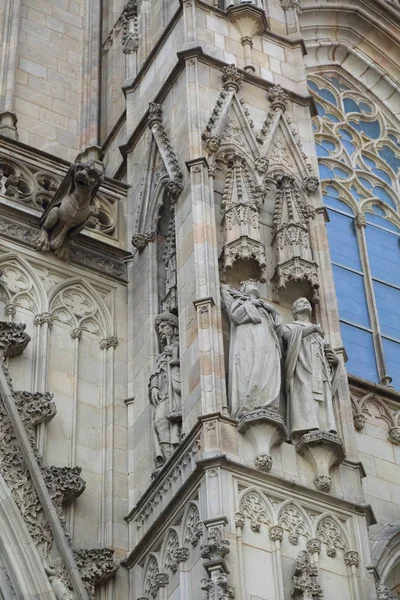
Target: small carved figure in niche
59, 588
255, 352
70, 210
165, 389
311, 369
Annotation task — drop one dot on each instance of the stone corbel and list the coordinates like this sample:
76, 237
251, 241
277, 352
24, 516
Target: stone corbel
265, 428
8, 125
322, 450
13, 339
64, 484
215, 547
249, 21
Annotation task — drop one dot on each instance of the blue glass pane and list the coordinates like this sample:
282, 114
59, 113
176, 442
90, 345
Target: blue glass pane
346, 135
387, 154
340, 173
355, 125
351, 105
349, 147
394, 139
366, 183
343, 241
383, 175
338, 84
388, 303
392, 360
369, 162
332, 118
360, 351
365, 107
356, 193
325, 172
383, 195
320, 109
371, 128
321, 151
327, 95
350, 295
333, 202
381, 222
384, 254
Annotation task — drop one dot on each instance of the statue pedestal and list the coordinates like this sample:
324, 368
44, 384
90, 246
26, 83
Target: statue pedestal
265, 428
322, 450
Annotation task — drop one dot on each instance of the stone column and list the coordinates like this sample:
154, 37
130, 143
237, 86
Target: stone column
44, 323
8, 57
90, 97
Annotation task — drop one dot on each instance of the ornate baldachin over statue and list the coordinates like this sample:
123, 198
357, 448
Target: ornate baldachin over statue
71, 207
255, 354
165, 389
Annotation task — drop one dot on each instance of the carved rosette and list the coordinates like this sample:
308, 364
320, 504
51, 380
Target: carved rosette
242, 200
322, 450
276, 533
352, 558
291, 238
13, 339
263, 462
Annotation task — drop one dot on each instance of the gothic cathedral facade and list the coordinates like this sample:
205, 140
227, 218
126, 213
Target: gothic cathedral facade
200, 269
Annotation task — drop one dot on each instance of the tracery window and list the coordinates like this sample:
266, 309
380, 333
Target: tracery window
358, 146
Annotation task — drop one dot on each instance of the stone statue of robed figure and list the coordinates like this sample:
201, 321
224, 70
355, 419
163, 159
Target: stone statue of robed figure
255, 353
310, 373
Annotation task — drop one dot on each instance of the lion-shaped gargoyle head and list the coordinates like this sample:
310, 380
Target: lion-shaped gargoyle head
87, 176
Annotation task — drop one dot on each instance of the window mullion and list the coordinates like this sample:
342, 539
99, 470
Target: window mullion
372, 309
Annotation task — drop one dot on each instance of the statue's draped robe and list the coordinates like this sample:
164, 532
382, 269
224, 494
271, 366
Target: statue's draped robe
255, 355
308, 380
166, 432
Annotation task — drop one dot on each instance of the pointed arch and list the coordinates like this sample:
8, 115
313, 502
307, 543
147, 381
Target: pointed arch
21, 285
192, 527
385, 545
293, 518
150, 570
77, 304
330, 531
256, 508
170, 544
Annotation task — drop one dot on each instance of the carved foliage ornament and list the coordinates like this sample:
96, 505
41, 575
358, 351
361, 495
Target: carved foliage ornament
305, 578
155, 123
64, 483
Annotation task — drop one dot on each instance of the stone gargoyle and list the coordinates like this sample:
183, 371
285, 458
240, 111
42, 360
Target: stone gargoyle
71, 207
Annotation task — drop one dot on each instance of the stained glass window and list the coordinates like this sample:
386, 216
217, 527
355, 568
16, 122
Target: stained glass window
358, 148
